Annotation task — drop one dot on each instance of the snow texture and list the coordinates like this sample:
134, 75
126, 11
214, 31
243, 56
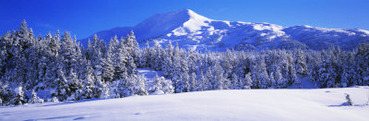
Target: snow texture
261, 105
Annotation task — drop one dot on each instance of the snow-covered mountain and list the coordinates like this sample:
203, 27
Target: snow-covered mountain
195, 32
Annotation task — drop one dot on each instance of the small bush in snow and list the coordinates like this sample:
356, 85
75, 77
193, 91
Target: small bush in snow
35, 98
349, 102
162, 86
55, 100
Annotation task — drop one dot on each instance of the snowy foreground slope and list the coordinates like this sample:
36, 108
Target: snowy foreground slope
278, 105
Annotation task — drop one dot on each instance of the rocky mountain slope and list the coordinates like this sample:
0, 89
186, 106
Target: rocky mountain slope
195, 32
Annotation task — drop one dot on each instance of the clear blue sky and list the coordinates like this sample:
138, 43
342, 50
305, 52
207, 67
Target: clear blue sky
84, 17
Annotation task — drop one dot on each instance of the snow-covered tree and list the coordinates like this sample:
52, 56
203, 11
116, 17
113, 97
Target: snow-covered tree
300, 63
62, 85
193, 82
19, 98
248, 81
35, 98
259, 74
135, 85
73, 72
218, 78
203, 82
120, 59
183, 84
105, 91
88, 84
162, 86
236, 82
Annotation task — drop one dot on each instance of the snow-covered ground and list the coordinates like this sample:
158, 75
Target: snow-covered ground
230, 105
148, 73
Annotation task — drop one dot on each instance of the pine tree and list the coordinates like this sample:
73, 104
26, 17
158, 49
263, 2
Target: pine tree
88, 83
280, 81
228, 63
107, 69
248, 81
324, 76
183, 84
106, 91
300, 63
218, 78
131, 66
203, 81
68, 52
259, 74
135, 85
236, 83
208, 78
291, 72
132, 45
140, 85
19, 98
114, 88
194, 84
6, 94
75, 86
35, 98
362, 59
62, 84
120, 70
168, 60
162, 86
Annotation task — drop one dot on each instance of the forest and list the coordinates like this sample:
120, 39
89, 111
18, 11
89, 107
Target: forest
61, 67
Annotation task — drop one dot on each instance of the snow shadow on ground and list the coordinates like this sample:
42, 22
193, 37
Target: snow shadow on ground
67, 117
71, 102
346, 104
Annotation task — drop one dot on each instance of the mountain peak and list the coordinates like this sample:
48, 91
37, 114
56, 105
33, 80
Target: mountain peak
184, 14
166, 22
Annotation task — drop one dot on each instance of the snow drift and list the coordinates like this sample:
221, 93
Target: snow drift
261, 105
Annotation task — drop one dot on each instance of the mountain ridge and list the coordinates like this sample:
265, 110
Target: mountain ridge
196, 32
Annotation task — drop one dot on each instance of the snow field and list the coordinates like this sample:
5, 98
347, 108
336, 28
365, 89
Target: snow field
262, 105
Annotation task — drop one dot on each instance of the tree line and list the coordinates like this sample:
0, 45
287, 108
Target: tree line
60, 66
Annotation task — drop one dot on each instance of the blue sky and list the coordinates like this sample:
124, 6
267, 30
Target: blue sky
83, 17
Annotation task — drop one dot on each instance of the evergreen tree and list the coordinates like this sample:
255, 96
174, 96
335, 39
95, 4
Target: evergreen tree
105, 91
203, 81
88, 84
183, 84
135, 85
120, 70
218, 78
62, 85
168, 60
35, 98
162, 86
300, 63
236, 83
208, 78
19, 98
107, 68
259, 74
194, 84
248, 81
362, 59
